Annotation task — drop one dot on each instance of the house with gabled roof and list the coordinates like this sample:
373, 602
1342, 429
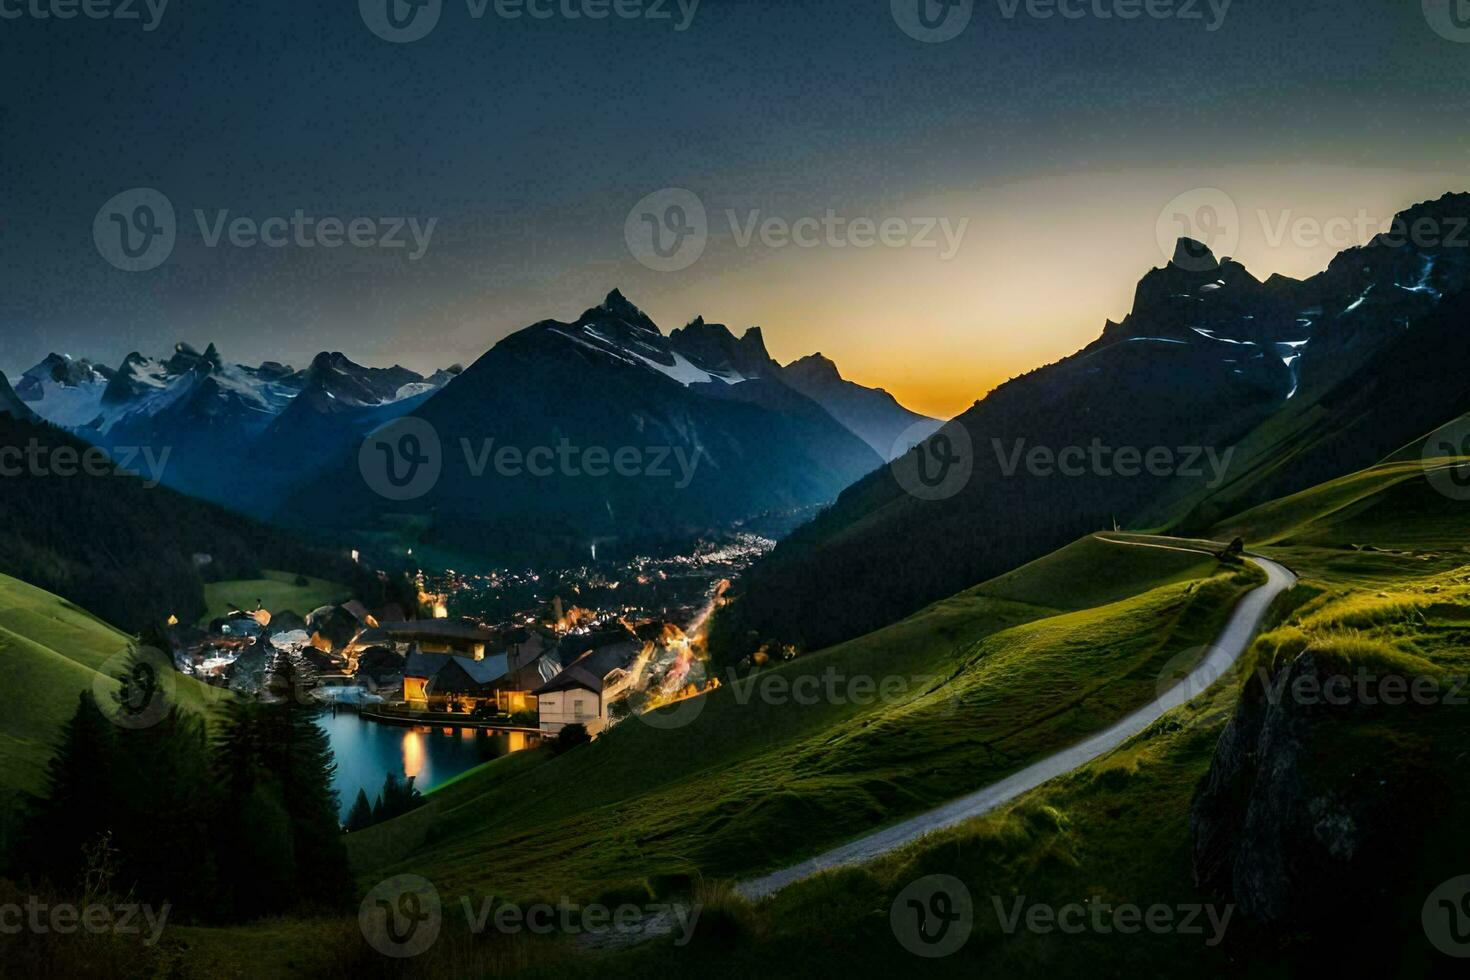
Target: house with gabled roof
452, 681
581, 693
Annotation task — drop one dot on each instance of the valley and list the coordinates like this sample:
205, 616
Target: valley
1090, 687
559, 489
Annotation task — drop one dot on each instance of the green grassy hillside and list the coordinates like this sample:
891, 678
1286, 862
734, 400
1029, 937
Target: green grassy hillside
981, 684
276, 591
984, 683
1024, 663
51, 651
1385, 585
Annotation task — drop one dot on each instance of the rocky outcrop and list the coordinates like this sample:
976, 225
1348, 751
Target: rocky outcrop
1309, 807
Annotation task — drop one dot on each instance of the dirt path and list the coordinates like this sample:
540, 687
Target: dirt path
1233, 640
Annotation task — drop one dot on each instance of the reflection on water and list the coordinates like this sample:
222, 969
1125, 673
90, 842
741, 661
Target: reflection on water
366, 751
413, 754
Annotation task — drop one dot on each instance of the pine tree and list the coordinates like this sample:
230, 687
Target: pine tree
77, 807
397, 798
360, 816
276, 756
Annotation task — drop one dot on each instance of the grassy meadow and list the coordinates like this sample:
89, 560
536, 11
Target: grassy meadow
277, 592
1385, 587
753, 777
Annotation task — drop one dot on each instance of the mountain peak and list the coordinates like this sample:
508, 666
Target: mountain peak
618, 305
61, 369
1193, 256
815, 367
714, 346
187, 358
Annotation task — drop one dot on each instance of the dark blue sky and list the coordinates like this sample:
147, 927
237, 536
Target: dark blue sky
529, 141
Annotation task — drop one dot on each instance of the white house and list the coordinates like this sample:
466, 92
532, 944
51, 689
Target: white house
581, 693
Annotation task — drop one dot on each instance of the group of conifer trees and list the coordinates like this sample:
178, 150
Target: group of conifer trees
226, 820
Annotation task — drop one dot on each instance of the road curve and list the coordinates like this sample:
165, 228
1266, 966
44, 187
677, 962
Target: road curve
1241, 628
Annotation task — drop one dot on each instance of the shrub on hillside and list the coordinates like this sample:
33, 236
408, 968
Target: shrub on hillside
569, 738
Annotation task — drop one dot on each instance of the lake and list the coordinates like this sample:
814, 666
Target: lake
367, 750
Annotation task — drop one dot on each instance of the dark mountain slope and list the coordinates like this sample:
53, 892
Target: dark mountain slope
10, 403
872, 414
1302, 380
122, 550
705, 443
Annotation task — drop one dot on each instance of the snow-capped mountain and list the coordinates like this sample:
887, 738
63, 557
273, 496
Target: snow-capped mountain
211, 415
276, 442
699, 353
64, 391
703, 353
710, 431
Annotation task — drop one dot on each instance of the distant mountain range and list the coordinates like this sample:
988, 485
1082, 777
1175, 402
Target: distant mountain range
213, 416
1288, 383
278, 443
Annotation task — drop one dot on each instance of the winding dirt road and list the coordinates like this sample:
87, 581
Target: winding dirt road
1233, 640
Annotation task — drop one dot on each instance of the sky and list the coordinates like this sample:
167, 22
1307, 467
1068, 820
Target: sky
935, 215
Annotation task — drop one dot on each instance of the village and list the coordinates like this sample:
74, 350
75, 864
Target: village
539, 670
